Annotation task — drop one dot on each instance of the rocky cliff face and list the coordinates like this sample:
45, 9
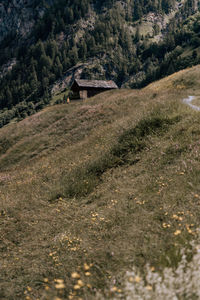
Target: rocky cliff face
19, 16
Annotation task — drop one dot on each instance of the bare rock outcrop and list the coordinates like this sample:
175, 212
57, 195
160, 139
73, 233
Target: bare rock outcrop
19, 16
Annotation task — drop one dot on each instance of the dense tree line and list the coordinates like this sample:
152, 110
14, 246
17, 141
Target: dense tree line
55, 46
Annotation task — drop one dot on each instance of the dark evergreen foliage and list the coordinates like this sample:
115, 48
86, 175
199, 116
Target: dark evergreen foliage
54, 48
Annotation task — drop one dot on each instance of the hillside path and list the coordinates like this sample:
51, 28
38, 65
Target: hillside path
188, 102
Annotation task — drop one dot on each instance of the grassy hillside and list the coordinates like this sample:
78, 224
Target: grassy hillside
93, 188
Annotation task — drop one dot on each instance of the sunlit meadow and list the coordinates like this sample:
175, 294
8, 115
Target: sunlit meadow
92, 192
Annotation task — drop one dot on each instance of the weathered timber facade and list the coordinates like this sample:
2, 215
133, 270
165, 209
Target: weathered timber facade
83, 89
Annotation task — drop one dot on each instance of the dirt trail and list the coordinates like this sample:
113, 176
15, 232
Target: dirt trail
188, 102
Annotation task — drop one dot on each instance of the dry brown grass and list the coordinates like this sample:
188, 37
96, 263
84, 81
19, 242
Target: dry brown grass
131, 214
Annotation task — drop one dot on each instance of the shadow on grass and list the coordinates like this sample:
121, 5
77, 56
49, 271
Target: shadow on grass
133, 141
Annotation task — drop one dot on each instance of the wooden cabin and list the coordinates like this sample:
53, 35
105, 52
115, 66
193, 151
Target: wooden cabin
83, 89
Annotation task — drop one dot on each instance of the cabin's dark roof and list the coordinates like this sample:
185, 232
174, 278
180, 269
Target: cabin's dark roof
96, 84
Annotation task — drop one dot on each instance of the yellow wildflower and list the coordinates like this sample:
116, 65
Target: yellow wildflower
77, 287
175, 217
131, 279
137, 279
80, 282
149, 287
75, 275
114, 289
165, 225
59, 280
177, 232
60, 286
188, 228
86, 267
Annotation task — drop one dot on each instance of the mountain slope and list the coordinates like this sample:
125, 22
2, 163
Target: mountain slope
131, 42
96, 183
19, 17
